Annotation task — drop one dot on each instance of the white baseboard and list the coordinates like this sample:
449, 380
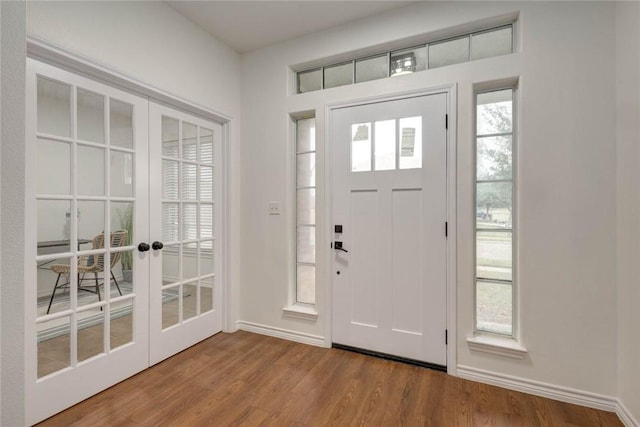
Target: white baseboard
284, 334
551, 391
625, 416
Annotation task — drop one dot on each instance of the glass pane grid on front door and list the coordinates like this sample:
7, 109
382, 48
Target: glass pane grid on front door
85, 203
187, 221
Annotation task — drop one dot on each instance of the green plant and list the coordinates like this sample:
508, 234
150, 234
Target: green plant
126, 223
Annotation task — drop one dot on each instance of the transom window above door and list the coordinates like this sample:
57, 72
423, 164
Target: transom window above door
386, 145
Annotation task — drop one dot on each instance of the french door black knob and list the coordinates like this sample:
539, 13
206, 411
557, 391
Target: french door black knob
143, 247
157, 245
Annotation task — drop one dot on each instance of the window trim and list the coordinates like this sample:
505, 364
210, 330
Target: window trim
488, 341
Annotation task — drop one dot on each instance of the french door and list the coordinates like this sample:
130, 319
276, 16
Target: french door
186, 223
122, 258
389, 197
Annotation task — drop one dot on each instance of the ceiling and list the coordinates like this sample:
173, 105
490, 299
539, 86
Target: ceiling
251, 25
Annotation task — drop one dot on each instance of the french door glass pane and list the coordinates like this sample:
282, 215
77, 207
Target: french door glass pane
190, 300
189, 182
170, 265
90, 116
123, 262
54, 222
206, 221
206, 145
54, 167
54, 346
122, 219
494, 307
206, 257
189, 260
90, 333
90, 219
121, 330
47, 279
170, 136
170, 187
385, 145
170, 306
493, 255
170, 220
121, 123
90, 171
121, 174
189, 221
189, 142
206, 294
206, 183
54, 107
410, 134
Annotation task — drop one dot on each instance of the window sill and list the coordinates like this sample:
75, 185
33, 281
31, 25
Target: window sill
506, 347
298, 311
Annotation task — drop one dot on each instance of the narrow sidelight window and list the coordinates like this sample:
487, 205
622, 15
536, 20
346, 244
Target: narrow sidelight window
494, 214
306, 211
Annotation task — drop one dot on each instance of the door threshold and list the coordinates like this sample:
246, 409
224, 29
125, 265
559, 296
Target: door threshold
395, 358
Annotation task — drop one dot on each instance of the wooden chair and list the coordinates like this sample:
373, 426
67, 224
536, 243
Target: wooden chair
91, 264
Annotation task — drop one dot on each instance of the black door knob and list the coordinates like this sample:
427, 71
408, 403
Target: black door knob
157, 245
143, 247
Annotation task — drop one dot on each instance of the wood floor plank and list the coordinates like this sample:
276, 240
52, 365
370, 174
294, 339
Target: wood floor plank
244, 379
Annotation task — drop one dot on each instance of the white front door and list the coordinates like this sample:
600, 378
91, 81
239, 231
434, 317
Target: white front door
389, 197
186, 228
86, 317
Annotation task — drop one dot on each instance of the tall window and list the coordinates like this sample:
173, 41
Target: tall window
306, 211
494, 212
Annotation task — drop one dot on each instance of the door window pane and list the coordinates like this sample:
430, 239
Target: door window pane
206, 258
206, 145
206, 183
189, 221
372, 68
121, 323
90, 171
190, 300
170, 222
54, 221
410, 135
171, 306
338, 75
491, 43
121, 174
206, 294
449, 52
385, 145
90, 333
309, 80
54, 107
170, 186
170, 265
122, 219
90, 219
189, 181
189, 142
54, 346
170, 137
361, 147
494, 307
90, 116
121, 123
206, 221
54, 167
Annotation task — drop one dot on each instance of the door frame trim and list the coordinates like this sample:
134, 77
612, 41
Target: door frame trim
451, 92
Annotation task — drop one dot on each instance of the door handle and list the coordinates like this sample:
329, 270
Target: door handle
157, 245
337, 245
143, 247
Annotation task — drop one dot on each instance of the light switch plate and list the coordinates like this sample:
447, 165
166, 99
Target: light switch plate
274, 208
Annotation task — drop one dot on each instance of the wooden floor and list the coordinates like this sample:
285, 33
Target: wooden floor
243, 379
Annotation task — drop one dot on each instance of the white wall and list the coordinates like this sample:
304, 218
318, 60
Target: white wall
567, 178
628, 251
152, 43
12, 211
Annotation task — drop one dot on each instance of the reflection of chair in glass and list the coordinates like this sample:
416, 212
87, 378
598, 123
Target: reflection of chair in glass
91, 264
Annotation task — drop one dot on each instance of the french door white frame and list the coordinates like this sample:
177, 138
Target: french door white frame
85, 68
451, 92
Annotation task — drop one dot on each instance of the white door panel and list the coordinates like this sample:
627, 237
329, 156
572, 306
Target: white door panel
389, 193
